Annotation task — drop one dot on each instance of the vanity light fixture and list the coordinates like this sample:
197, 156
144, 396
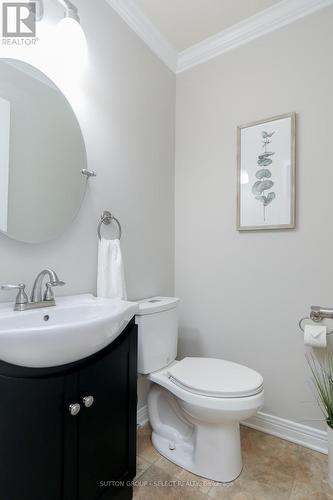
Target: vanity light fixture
71, 37
70, 29
71, 10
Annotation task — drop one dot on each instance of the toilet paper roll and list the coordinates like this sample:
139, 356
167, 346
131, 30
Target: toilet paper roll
315, 335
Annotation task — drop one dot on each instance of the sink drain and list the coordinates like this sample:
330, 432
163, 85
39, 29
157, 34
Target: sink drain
46, 317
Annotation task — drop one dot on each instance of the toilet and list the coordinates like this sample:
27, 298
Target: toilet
194, 405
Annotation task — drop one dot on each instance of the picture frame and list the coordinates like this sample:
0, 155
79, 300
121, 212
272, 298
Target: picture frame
266, 174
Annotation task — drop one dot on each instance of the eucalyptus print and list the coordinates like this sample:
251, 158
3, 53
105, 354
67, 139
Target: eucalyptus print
264, 182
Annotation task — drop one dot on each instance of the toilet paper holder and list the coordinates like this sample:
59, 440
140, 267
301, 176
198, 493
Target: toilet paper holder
317, 315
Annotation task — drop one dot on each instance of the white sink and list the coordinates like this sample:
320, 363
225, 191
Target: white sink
75, 328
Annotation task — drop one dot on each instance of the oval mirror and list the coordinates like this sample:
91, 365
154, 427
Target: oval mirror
42, 154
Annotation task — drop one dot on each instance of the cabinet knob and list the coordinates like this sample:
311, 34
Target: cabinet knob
74, 409
88, 401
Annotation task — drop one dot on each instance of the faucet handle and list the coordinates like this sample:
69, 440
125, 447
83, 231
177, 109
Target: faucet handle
49, 295
21, 286
21, 297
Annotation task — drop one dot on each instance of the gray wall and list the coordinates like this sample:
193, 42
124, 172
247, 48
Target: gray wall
125, 106
242, 294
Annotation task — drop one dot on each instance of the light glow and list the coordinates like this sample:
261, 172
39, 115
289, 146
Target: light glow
71, 45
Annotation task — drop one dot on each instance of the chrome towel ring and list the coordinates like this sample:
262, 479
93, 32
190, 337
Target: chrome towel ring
107, 218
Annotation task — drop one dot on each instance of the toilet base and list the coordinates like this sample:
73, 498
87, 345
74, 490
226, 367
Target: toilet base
182, 455
208, 449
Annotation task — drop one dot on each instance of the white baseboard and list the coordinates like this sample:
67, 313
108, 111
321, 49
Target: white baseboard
303, 435
142, 416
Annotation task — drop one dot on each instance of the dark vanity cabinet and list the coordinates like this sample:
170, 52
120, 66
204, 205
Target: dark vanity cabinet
48, 453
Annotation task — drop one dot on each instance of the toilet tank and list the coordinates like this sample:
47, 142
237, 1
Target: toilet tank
157, 322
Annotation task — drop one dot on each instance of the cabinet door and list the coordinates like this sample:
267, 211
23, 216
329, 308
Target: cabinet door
31, 438
106, 435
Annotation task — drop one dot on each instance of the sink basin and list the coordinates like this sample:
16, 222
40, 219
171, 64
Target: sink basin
75, 328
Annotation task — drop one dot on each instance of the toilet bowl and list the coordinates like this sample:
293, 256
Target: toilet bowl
195, 429
194, 405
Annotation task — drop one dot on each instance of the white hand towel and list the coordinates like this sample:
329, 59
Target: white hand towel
110, 277
315, 335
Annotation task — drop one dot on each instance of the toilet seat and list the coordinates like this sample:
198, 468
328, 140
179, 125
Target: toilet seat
216, 378
162, 378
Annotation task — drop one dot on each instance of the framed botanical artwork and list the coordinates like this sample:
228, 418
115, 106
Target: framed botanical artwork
266, 174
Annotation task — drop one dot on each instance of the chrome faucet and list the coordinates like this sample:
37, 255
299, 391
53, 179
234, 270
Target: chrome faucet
38, 299
36, 294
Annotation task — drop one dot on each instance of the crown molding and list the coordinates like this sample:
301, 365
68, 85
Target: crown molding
144, 28
266, 21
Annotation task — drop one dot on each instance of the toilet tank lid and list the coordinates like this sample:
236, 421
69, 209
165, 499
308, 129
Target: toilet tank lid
156, 304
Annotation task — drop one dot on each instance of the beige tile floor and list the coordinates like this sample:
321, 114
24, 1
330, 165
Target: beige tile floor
274, 469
